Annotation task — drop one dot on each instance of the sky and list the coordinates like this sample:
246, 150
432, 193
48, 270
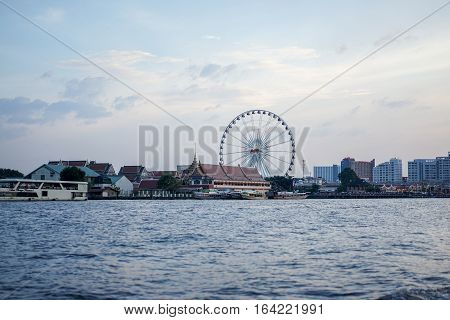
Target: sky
205, 62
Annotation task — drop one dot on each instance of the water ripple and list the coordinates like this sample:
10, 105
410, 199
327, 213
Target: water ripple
311, 249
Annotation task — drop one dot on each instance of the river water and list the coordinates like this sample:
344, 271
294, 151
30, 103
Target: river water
188, 249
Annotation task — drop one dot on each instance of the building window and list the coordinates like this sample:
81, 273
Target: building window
42, 176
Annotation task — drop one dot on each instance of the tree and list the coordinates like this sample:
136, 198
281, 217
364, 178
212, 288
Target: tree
10, 173
72, 174
372, 188
280, 183
349, 178
168, 182
315, 188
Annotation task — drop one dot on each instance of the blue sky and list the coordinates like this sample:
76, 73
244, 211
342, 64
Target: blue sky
207, 61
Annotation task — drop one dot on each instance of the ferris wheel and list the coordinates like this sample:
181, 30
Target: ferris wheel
260, 139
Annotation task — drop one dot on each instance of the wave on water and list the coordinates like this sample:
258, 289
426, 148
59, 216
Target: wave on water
419, 294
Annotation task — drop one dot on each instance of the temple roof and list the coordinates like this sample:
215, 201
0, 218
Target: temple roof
220, 172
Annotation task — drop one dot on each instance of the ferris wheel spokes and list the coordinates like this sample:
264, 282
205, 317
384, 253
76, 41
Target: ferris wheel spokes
260, 139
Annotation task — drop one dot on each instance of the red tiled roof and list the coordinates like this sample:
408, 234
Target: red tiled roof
99, 167
131, 169
163, 173
252, 174
213, 170
238, 173
70, 163
235, 173
148, 184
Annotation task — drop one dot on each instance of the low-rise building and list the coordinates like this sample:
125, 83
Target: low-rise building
70, 163
307, 182
113, 186
103, 169
220, 177
106, 169
53, 172
158, 174
329, 187
134, 173
105, 192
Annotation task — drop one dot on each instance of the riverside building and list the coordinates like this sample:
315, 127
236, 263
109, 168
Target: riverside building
226, 178
363, 169
388, 172
429, 170
328, 173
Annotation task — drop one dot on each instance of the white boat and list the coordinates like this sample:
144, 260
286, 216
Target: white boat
207, 194
252, 195
290, 195
26, 189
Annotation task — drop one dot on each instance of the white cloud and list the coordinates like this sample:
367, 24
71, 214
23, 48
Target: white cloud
210, 37
24, 111
112, 58
273, 56
121, 103
169, 60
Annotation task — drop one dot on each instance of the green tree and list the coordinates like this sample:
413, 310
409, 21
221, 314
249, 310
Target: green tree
280, 183
349, 178
168, 182
10, 173
372, 188
315, 188
72, 174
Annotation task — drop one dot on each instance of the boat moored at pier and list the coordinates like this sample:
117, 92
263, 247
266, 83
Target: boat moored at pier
287, 195
27, 189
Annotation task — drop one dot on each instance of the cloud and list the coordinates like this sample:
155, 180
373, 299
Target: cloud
121, 103
341, 49
266, 55
46, 75
11, 132
51, 16
210, 70
87, 89
355, 110
22, 110
121, 59
215, 107
112, 58
61, 109
210, 37
169, 60
394, 104
207, 94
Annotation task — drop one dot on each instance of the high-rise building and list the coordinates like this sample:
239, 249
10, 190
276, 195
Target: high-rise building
422, 170
328, 173
443, 168
363, 169
347, 163
429, 170
388, 172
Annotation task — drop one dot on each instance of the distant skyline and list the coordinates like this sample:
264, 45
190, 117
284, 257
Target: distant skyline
206, 62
